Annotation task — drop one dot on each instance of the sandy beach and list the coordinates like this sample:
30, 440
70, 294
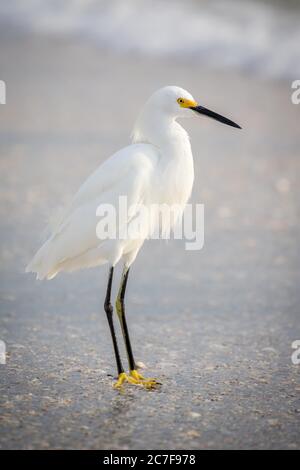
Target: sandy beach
215, 326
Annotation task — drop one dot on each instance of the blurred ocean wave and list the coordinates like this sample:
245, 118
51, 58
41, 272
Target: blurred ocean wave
258, 37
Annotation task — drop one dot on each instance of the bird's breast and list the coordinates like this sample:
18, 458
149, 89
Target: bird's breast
176, 180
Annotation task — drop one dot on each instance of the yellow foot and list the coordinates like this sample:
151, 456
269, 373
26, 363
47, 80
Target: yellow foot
135, 378
123, 377
139, 379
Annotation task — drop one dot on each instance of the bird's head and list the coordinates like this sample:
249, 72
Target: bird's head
177, 102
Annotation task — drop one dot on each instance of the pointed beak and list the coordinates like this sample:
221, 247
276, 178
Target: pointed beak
213, 115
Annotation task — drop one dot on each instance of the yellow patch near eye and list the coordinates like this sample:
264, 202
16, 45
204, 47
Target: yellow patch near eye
184, 103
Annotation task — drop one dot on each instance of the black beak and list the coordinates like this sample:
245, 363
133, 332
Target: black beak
216, 116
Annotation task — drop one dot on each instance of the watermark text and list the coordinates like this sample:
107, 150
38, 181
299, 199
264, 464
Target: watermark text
2, 92
296, 354
295, 97
151, 221
2, 352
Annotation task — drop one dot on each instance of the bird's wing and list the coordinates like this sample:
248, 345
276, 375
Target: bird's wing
121, 171
127, 173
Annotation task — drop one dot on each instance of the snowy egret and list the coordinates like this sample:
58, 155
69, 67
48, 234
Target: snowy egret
156, 168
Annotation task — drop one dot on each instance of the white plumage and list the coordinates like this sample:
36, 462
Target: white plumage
156, 169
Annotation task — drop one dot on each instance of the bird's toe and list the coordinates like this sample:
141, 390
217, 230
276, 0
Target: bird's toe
121, 379
135, 378
148, 383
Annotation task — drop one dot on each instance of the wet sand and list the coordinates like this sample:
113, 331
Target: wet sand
215, 326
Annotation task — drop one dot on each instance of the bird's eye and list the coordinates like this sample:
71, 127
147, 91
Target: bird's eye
180, 100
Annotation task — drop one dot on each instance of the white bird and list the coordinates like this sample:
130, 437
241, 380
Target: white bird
157, 168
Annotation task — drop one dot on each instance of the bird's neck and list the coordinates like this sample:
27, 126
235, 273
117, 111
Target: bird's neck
163, 132
176, 166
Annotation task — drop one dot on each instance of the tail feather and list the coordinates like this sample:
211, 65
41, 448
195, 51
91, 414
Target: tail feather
42, 264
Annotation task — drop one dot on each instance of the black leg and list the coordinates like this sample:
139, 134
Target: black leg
120, 305
109, 313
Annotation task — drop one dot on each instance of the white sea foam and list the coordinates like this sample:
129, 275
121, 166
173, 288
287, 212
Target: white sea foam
252, 36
